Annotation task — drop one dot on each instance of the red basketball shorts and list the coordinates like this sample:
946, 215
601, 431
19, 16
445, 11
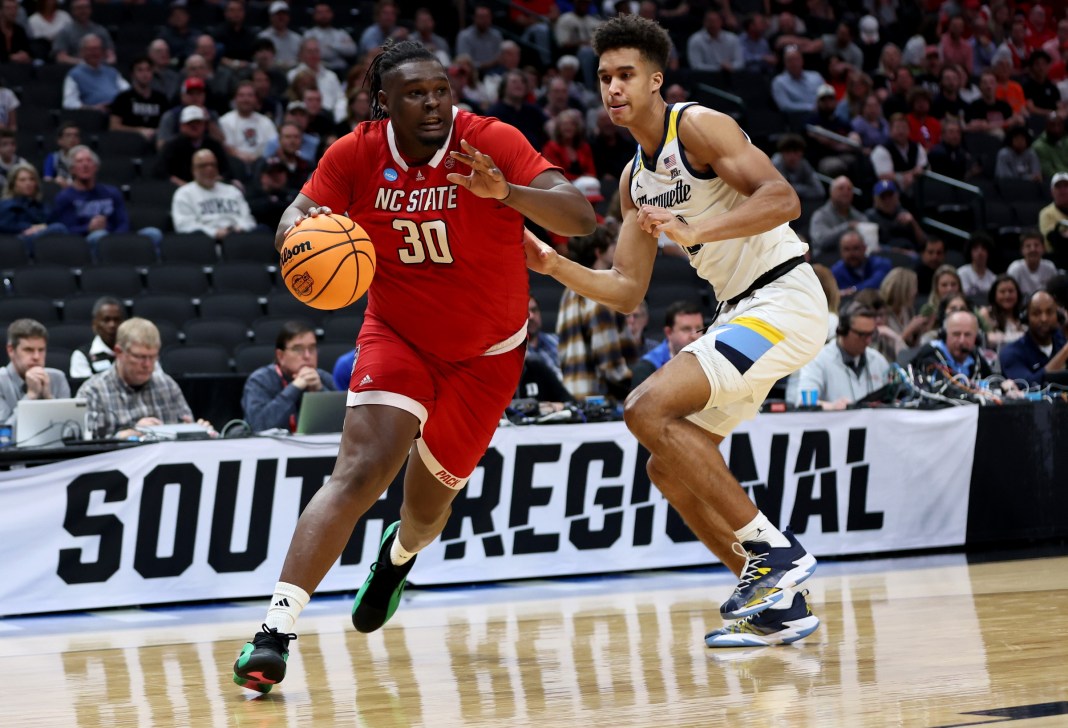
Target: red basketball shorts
458, 404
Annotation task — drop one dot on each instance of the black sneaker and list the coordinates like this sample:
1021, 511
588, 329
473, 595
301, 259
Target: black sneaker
262, 663
770, 627
768, 571
378, 598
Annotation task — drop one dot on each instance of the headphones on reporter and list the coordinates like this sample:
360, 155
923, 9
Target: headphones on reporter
851, 311
1062, 318
942, 306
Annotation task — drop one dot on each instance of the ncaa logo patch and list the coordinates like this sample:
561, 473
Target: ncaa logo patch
390, 174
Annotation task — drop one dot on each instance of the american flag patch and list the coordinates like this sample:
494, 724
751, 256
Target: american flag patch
669, 161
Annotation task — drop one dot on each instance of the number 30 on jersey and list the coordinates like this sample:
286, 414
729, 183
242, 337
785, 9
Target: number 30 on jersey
428, 239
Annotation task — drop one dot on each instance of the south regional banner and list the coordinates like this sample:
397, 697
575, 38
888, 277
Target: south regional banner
191, 521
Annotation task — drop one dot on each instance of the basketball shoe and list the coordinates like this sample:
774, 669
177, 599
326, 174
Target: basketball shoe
769, 627
380, 595
768, 570
262, 663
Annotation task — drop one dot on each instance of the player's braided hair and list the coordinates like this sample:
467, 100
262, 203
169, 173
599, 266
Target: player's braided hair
394, 53
634, 31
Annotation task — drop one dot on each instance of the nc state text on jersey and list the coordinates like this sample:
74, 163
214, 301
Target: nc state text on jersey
426, 199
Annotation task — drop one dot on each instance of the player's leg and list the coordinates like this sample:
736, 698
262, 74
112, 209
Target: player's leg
471, 397
374, 443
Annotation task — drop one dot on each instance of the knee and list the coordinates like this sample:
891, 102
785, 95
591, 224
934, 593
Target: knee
643, 418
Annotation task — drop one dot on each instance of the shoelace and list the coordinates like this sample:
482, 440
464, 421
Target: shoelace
751, 570
272, 633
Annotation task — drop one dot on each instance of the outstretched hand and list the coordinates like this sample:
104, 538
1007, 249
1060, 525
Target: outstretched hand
541, 257
485, 180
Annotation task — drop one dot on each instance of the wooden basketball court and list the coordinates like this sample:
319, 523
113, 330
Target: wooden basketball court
913, 642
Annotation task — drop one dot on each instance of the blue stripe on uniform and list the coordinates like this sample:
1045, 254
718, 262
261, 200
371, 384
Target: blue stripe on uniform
741, 346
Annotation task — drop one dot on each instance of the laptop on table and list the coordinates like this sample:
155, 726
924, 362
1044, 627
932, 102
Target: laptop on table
51, 422
321, 412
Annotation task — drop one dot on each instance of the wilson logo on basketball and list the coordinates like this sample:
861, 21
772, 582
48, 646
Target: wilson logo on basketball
302, 283
289, 253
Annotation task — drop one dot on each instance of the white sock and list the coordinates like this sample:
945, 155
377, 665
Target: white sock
398, 554
787, 600
760, 529
286, 606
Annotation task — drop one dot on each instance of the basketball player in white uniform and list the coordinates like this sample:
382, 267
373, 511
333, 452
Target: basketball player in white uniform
698, 181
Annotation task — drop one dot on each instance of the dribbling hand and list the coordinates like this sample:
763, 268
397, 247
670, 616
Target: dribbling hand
485, 180
312, 212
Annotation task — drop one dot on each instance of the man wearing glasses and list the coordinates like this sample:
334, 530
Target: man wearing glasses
273, 392
134, 393
848, 368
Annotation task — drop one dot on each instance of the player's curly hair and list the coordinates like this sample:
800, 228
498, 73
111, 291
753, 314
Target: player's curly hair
394, 53
634, 31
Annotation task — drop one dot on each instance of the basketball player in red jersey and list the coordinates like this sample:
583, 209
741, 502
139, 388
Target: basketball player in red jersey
442, 193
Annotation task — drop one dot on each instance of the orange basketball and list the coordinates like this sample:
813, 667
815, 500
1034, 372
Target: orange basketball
328, 261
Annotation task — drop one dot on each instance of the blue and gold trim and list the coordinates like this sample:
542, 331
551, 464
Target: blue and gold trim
746, 339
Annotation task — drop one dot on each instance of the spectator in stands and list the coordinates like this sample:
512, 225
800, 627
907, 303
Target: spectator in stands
790, 160
794, 90
568, 69
514, 109
47, 22
886, 72
975, 277
140, 108
176, 157
593, 352
834, 218
321, 124
1032, 271
567, 147
886, 341
988, 113
1002, 312
613, 146
219, 79
165, 78
246, 131
359, 109
68, 42
1043, 349
99, 354
384, 26
298, 169
870, 125
308, 147
945, 282
1057, 46
482, 42
270, 194
194, 93
9, 157
1039, 29
848, 368
91, 209
897, 100
946, 307
1016, 48
931, 259
56, 166
216, 98
337, 46
636, 323
757, 55
1053, 221
1052, 148
310, 56
209, 205
1040, 94
924, 129
898, 290
270, 105
1016, 160
948, 101
573, 31
898, 228
507, 62
235, 36
9, 103
954, 350
832, 157
954, 47
684, 324
466, 88
22, 212
177, 32
856, 270
134, 392
92, 84
273, 393
14, 42
714, 49
26, 376
263, 59
901, 160
541, 345
949, 157
286, 42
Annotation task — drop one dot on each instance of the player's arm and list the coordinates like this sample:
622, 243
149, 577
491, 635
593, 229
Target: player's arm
301, 208
716, 141
622, 287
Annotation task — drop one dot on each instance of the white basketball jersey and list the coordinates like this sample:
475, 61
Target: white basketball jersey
665, 179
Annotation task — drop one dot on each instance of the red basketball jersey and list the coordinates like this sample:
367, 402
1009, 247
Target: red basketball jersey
451, 276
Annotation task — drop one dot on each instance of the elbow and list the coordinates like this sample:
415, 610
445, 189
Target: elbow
586, 224
791, 204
